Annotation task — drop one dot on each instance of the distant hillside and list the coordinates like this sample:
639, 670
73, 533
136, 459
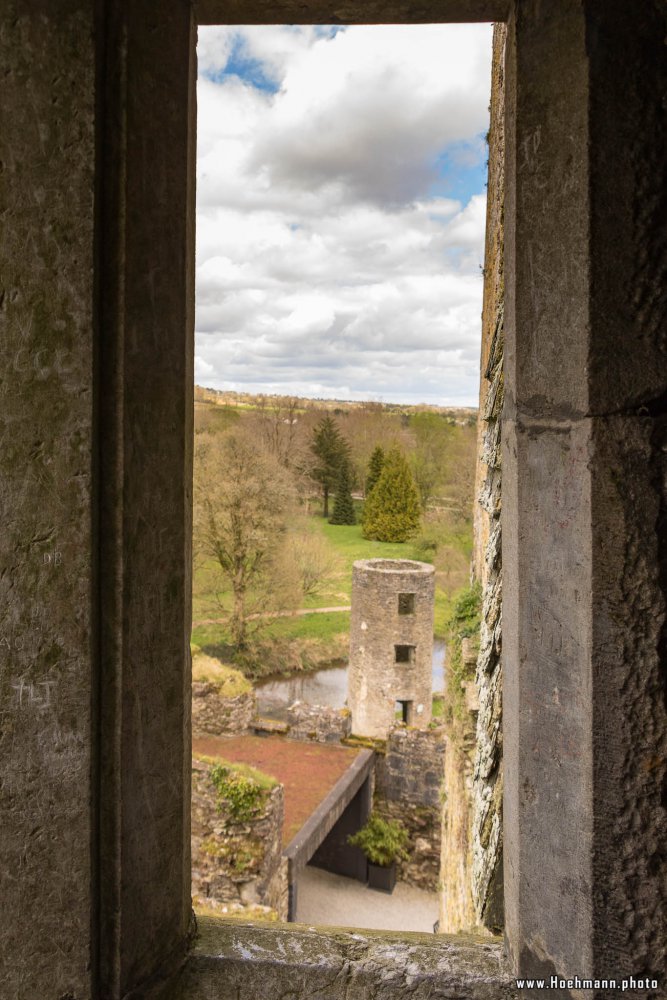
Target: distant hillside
460, 414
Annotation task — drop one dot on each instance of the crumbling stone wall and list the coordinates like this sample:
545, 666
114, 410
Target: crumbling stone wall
471, 878
318, 723
422, 866
215, 715
408, 779
411, 769
487, 844
457, 912
391, 649
236, 863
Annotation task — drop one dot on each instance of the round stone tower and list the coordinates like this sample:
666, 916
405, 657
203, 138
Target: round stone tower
391, 644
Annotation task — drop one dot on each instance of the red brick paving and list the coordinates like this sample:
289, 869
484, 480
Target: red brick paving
307, 770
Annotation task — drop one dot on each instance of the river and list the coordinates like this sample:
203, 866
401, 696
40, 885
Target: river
323, 687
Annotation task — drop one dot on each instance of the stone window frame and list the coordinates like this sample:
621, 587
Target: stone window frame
145, 426
404, 653
406, 604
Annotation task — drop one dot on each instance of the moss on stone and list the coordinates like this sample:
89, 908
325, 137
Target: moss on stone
365, 743
229, 682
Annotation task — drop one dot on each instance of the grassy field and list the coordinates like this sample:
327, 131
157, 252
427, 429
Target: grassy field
321, 637
304, 641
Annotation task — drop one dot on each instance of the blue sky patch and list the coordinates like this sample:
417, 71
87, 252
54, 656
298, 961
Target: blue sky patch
328, 30
251, 71
462, 171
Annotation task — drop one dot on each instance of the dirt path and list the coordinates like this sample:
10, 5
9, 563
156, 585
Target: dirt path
273, 614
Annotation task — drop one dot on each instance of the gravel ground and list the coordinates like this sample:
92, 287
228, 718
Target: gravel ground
323, 898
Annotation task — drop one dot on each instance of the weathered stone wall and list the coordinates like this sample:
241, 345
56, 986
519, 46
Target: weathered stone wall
584, 601
408, 779
457, 911
213, 715
376, 680
487, 794
412, 767
253, 963
319, 723
422, 867
236, 862
471, 878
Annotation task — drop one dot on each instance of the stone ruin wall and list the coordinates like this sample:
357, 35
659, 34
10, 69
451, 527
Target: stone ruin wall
487, 843
236, 864
471, 880
408, 778
318, 723
457, 911
213, 715
376, 681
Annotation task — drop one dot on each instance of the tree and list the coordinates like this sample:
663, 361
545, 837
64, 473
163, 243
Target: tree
343, 512
392, 509
374, 468
443, 461
307, 557
278, 423
241, 500
330, 450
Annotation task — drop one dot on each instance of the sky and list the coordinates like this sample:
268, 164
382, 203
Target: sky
341, 200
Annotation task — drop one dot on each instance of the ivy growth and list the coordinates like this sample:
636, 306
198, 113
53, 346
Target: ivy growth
463, 623
241, 795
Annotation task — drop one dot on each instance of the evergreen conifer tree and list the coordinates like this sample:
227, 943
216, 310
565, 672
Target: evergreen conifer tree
330, 450
343, 512
375, 465
392, 510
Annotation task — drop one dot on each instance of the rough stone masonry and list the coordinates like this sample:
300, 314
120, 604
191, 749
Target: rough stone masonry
391, 644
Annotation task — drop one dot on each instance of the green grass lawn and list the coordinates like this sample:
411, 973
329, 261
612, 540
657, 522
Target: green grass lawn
322, 626
347, 546
349, 543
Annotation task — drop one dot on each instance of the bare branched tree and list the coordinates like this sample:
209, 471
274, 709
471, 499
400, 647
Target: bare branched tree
314, 560
242, 499
278, 421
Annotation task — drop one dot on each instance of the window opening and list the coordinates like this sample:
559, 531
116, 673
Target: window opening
406, 604
306, 247
404, 654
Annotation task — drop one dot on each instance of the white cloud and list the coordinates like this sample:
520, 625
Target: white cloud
326, 264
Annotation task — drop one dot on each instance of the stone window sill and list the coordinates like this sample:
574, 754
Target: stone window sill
239, 961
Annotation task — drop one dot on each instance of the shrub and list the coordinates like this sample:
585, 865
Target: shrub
428, 542
464, 620
242, 794
383, 841
463, 623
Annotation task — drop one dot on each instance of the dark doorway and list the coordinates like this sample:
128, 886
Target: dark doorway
404, 711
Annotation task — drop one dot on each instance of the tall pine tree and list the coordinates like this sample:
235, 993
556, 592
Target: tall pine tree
392, 509
343, 512
331, 450
375, 465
